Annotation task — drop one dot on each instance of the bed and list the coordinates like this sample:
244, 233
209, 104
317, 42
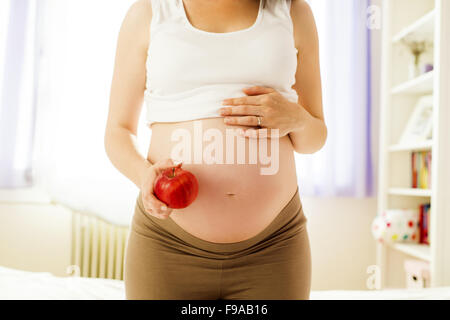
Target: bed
25, 285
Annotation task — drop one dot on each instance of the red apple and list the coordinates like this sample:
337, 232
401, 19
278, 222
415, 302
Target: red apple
176, 187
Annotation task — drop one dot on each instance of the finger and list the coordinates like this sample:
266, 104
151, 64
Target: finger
255, 133
157, 215
264, 133
164, 215
242, 121
245, 110
161, 217
155, 204
248, 100
258, 90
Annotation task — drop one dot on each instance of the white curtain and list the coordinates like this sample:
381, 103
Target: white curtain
344, 166
77, 61
17, 90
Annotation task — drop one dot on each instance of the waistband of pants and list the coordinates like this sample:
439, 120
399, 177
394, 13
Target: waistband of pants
290, 211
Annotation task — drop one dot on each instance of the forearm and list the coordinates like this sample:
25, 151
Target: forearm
310, 133
121, 148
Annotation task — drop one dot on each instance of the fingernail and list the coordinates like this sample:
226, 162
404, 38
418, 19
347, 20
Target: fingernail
163, 208
225, 102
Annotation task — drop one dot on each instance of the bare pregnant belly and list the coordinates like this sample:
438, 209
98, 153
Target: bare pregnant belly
242, 186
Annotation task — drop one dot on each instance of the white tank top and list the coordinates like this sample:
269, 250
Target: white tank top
191, 71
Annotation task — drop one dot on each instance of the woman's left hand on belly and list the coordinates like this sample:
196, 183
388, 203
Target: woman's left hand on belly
273, 110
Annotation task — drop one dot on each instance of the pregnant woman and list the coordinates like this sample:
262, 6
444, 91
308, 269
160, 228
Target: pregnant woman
241, 78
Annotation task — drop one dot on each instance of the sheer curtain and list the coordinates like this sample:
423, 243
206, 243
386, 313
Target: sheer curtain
17, 90
79, 45
344, 166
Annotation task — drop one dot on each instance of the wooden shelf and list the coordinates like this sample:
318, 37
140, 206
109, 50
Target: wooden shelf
420, 85
422, 146
411, 192
420, 251
421, 29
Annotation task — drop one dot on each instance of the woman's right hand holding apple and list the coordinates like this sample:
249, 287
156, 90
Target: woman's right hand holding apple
152, 205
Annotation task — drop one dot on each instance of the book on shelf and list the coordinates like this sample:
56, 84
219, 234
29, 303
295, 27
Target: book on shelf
424, 223
421, 169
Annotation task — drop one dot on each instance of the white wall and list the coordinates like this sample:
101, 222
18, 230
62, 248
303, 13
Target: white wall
35, 237
339, 228
341, 243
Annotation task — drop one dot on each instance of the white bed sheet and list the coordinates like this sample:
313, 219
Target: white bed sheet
16, 284
24, 285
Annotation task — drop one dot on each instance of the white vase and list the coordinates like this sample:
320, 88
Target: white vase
414, 71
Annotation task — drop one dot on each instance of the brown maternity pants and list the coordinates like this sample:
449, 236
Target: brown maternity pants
163, 261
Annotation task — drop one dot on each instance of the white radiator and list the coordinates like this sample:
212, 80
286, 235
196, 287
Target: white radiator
98, 247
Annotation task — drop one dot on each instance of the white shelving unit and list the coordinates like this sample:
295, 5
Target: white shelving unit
421, 28
420, 251
409, 192
420, 146
422, 84
415, 19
